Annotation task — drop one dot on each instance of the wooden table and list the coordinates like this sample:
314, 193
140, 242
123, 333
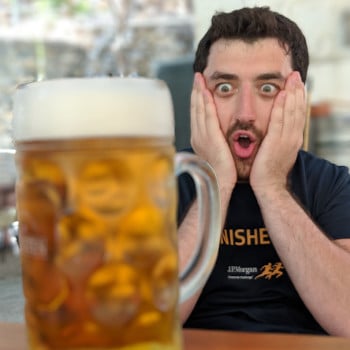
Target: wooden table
218, 340
12, 337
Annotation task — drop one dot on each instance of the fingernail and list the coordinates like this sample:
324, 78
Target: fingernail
294, 79
194, 85
297, 76
196, 79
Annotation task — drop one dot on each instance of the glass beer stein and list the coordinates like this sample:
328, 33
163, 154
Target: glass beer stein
96, 203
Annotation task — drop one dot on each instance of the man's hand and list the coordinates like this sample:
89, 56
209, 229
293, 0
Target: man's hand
283, 140
207, 138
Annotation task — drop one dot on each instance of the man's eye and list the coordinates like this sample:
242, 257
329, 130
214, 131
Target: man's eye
269, 89
224, 88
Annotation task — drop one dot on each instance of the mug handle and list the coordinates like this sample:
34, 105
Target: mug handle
199, 267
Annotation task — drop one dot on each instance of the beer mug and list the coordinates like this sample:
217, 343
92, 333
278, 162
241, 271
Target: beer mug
96, 204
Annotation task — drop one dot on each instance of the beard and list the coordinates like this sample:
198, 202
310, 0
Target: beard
244, 165
243, 168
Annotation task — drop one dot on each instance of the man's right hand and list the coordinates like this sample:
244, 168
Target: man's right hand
207, 138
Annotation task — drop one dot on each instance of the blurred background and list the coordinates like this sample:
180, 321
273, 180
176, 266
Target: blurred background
46, 39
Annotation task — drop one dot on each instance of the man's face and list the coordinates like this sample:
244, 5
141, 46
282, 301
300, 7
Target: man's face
244, 79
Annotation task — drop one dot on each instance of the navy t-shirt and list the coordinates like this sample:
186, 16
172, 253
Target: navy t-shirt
249, 288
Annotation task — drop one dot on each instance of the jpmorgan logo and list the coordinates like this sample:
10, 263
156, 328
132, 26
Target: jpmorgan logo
270, 270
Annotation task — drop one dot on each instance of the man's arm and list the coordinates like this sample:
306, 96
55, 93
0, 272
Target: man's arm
187, 238
205, 126
314, 263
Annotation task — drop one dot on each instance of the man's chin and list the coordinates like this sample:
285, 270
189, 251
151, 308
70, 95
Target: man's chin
243, 168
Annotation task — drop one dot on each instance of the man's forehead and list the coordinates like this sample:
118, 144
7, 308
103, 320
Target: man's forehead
235, 56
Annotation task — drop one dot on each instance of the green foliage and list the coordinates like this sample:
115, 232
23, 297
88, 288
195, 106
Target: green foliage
73, 7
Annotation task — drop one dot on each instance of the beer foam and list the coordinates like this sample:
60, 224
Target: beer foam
92, 107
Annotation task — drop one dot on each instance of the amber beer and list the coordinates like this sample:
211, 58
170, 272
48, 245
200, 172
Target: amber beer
96, 205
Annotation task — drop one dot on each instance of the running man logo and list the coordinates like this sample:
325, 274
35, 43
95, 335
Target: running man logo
269, 270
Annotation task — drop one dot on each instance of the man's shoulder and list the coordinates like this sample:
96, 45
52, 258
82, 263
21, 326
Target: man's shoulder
324, 190
311, 165
317, 181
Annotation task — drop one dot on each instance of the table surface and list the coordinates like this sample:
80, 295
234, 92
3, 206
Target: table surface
12, 337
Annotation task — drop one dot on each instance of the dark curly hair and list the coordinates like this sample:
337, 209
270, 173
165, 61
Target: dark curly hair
252, 24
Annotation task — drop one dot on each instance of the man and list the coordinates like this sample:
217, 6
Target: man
284, 256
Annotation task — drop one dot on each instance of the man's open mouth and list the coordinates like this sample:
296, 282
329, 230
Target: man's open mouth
244, 141
243, 144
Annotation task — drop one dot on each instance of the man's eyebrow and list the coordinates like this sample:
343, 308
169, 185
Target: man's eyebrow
271, 76
217, 75
221, 75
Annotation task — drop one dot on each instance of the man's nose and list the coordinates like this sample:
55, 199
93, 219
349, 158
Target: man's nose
245, 108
